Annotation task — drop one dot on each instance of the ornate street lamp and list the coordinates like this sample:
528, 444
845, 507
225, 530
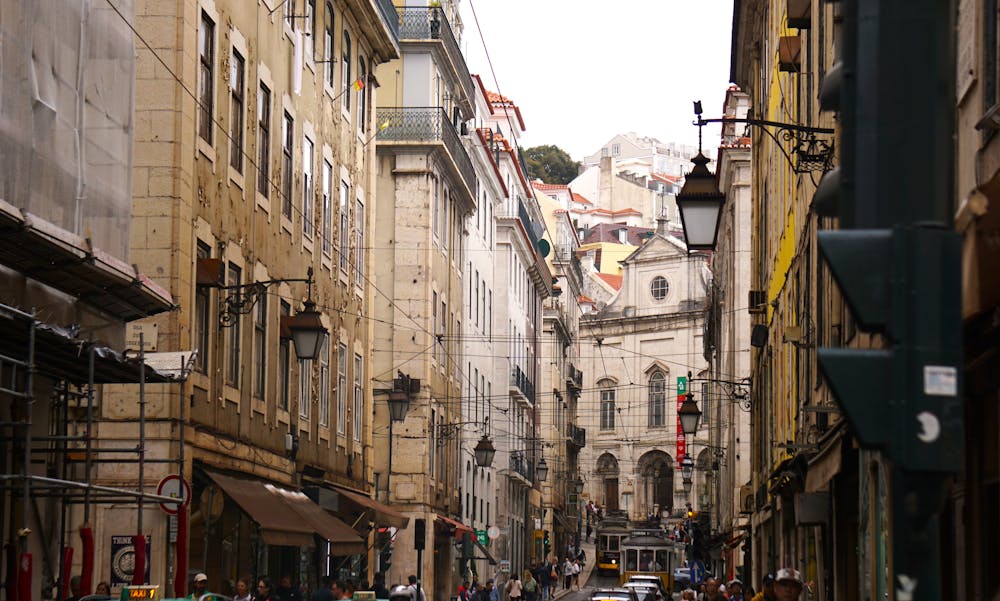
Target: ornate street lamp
399, 404
484, 452
541, 470
687, 468
690, 415
700, 205
308, 332
578, 485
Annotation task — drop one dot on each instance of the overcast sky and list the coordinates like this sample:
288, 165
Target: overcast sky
582, 71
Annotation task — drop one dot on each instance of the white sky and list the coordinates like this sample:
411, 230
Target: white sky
582, 71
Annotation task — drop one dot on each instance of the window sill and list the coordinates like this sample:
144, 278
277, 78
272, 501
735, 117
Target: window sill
263, 203
206, 149
236, 177
258, 406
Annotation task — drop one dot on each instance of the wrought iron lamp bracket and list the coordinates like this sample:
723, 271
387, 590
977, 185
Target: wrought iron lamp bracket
812, 148
242, 298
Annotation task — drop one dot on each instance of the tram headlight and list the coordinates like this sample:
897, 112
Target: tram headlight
614, 561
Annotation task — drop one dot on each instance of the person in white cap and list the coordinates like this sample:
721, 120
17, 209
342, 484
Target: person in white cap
200, 586
787, 584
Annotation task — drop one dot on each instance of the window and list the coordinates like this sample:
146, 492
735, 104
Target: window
362, 105
607, 405
289, 6
310, 30
202, 315
345, 71
263, 140
260, 348
206, 77
307, 189
345, 191
233, 275
287, 148
324, 383
657, 399
436, 209
658, 288
327, 217
328, 46
237, 70
341, 389
357, 398
359, 263
433, 445
284, 362
434, 322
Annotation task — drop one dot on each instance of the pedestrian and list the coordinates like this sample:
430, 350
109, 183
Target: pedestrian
788, 584
712, 592
494, 592
416, 591
463, 591
200, 586
242, 590
264, 592
766, 589
287, 592
590, 530
514, 588
530, 586
103, 588
575, 571
567, 571
735, 590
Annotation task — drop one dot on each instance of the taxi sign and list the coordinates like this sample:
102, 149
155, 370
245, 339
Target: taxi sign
141, 593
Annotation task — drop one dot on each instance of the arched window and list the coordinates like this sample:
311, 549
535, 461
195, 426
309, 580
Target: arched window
607, 388
659, 287
328, 46
657, 399
345, 71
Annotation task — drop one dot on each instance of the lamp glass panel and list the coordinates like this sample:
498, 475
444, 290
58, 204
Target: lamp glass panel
701, 218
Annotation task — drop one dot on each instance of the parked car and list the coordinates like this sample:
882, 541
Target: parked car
615, 594
651, 580
646, 591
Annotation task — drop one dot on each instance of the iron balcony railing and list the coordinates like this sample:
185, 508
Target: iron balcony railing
520, 380
577, 436
391, 18
519, 464
529, 226
430, 23
426, 124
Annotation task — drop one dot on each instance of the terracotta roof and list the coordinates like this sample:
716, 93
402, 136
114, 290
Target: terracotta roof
663, 177
615, 281
586, 299
619, 212
540, 185
581, 199
608, 232
500, 99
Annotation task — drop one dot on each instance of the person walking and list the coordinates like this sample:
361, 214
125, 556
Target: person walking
788, 585
200, 586
567, 571
530, 586
576, 573
416, 591
514, 588
242, 590
264, 592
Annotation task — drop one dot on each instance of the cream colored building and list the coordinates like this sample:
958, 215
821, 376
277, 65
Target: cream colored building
633, 351
253, 165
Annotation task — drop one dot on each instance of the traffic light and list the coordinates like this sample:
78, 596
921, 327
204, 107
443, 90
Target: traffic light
384, 542
546, 543
419, 533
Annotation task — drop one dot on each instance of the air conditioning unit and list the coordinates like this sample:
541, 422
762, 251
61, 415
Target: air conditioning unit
757, 302
746, 499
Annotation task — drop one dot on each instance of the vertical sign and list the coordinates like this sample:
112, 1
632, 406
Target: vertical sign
682, 389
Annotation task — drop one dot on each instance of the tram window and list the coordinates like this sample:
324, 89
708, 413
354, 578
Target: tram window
631, 559
645, 559
662, 562
613, 543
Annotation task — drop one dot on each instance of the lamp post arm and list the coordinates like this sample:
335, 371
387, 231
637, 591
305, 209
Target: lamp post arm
765, 123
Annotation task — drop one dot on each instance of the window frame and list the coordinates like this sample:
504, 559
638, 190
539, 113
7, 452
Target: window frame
308, 184
344, 241
608, 394
345, 71
358, 398
206, 77
656, 400
359, 236
341, 389
327, 217
283, 398
260, 348
329, 71
238, 101
324, 384
264, 140
659, 285
288, 164
234, 275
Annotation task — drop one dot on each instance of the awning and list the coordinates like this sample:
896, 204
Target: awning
384, 515
288, 517
566, 522
486, 552
459, 527
825, 465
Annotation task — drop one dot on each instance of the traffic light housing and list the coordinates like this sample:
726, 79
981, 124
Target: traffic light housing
904, 283
384, 542
546, 543
419, 533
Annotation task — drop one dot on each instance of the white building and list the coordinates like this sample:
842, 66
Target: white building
633, 352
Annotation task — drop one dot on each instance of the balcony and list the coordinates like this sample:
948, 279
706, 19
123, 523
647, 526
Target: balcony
520, 465
520, 383
576, 436
390, 16
429, 24
426, 126
574, 380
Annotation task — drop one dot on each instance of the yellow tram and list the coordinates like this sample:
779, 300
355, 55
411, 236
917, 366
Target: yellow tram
610, 532
649, 553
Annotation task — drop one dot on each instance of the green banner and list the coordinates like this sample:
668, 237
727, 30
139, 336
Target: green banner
482, 537
682, 385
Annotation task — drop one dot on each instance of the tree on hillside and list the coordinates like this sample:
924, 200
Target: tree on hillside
550, 164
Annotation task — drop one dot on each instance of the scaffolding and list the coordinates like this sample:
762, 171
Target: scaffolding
36, 435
